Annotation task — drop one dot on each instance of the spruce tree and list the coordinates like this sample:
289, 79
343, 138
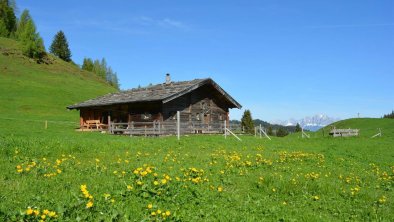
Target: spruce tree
59, 47
298, 128
282, 132
7, 19
270, 131
247, 122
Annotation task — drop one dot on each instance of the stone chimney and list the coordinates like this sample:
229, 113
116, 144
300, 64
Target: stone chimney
168, 78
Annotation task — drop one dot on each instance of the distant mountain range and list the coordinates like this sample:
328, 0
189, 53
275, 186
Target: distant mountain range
312, 123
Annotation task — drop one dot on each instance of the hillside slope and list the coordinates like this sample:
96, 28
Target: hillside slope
367, 126
35, 92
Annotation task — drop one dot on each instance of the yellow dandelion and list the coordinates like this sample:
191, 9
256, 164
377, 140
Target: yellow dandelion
220, 188
168, 213
43, 216
139, 183
89, 204
158, 211
29, 211
150, 206
36, 212
46, 212
129, 187
155, 182
52, 214
163, 181
153, 213
315, 197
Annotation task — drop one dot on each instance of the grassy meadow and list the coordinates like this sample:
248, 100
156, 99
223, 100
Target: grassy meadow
57, 174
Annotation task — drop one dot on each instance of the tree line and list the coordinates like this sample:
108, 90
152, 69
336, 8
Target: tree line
389, 116
101, 69
248, 124
24, 30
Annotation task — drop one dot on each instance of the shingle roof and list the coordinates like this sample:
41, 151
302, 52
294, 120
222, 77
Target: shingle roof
160, 92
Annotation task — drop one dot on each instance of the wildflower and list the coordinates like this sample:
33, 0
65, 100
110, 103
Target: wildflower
163, 181
150, 206
89, 204
106, 195
220, 188
58, 170
97, 160
129, 187
315, 197
382, 200
45, 211
273, 190
153, 213
43, 217
158, 211
168, 213
52, 214
139, 183
29, 211
36, 212
155, 182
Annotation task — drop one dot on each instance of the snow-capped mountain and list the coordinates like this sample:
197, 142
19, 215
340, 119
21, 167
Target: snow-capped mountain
312, 123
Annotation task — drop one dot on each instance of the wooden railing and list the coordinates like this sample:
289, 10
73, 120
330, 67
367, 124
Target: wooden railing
164, 128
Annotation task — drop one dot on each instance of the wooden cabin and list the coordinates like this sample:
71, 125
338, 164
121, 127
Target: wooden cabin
203, 106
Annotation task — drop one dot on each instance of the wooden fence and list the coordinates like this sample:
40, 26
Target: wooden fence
344, 132
157, 128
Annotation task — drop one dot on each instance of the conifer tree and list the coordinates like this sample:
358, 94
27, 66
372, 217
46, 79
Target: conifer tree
32, 43
23, 20
59, 47
282, 132
298, 128
87, 64
247, 122
269, 131
7, 19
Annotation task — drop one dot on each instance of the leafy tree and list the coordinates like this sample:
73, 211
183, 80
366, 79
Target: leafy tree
87, 64
59, 47
298, 128
7, 19
247, 122
282, 132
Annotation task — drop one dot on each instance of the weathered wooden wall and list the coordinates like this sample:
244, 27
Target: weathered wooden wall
201, 105
204, 105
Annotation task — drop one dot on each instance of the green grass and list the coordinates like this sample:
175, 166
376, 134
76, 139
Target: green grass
207, 178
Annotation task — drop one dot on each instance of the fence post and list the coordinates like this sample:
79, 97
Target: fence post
225, 132
260, 131
178, 123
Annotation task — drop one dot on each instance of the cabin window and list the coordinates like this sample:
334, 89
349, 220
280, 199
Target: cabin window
146, 116
220, 117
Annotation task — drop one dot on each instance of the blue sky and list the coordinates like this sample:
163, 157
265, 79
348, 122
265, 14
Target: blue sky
280, 59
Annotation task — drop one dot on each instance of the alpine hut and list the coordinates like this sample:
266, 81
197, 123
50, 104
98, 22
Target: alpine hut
203, 106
